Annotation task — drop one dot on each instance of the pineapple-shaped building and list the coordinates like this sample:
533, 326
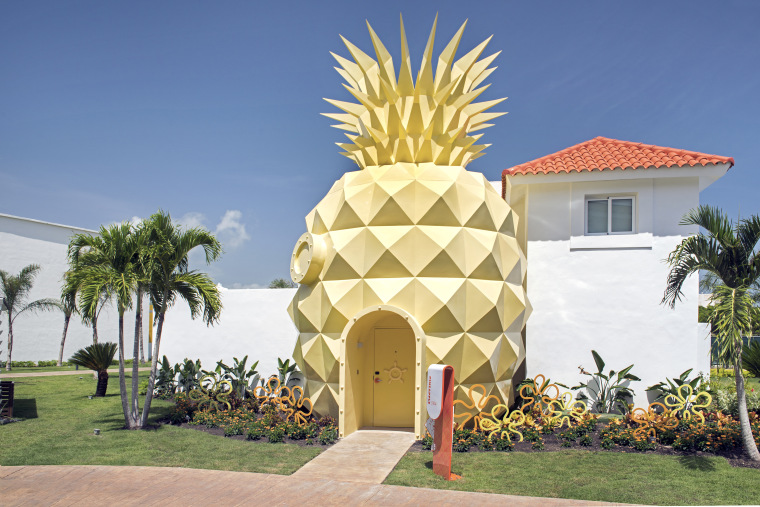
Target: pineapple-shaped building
411, 260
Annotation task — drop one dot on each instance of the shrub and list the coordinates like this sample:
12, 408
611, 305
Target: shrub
503, 444
328, 435
276, 435
607, 443
52, 362
538, 445
326, 421
312, 430
567, 443
586, 440
642, 443
297, 432
427, 442
255, 433
531, 435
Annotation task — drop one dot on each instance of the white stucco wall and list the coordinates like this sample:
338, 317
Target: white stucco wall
604, 292
254, 322
38, 336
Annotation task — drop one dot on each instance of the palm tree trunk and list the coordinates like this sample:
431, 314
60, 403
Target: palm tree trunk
153, 367
135, 380
138, 324
100, 391
129, 417
66, 319
10, 342
748, 441
94, 330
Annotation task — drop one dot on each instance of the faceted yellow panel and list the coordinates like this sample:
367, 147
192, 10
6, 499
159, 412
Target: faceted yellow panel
451, 277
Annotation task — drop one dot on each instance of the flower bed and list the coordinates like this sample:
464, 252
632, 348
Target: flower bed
719, 435
253, 420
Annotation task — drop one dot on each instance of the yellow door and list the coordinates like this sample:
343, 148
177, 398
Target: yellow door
393, 388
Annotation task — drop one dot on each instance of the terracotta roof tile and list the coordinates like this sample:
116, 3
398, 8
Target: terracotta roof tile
601, 153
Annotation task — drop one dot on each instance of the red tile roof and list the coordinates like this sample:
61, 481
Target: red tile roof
602, 154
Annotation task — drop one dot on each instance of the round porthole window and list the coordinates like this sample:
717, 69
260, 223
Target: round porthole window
307, 259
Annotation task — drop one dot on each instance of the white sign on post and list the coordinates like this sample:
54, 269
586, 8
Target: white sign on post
435, 390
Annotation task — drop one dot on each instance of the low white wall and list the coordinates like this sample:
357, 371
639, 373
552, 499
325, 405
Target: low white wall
254, 322
38, 336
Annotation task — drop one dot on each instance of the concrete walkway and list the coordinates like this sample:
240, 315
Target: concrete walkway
365, 456
144, 486
82, 372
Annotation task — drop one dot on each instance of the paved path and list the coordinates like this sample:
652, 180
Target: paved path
365, 456
67, 372
144, 486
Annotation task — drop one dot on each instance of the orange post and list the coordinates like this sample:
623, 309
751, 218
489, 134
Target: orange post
440, 405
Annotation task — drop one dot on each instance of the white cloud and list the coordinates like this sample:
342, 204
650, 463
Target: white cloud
191, 219
136, 221
230, 230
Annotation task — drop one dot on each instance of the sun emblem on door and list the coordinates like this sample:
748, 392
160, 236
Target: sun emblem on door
395, 374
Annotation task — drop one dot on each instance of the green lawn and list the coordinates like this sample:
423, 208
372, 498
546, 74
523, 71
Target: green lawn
603, 476
59, 421
38, 369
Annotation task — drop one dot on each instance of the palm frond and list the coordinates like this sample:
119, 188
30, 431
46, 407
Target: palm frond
40, 305
713, 220
97, 357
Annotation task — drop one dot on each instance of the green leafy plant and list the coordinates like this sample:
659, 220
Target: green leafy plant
96, 357
586, 440
276, 435
671, 388
190, 374
328, 436
166, 383
243, 380
608, 389
751, 358
285, 370
538, 445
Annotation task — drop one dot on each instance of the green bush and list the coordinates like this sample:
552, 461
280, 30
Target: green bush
607, 443
52, 362
427, 442
725, 400
504, 445
586, 440
538, 445
328, 435
255, 433
276, 435
751, 358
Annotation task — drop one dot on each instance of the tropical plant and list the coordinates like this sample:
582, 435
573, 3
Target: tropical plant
69, 307
166, 383
106, 265
168, 248
285, 370
282, 283
242, 380
670, 389
751, 358
96, 357
189, 374
14, 291
729, 252
609, 390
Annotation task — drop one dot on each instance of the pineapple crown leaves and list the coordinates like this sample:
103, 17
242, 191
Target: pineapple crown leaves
400, 120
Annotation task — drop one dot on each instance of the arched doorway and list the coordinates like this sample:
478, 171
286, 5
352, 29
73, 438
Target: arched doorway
382, 360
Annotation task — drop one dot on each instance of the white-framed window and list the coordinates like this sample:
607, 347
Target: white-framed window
610, 215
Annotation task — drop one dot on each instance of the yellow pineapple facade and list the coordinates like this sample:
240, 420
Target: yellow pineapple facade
412, 260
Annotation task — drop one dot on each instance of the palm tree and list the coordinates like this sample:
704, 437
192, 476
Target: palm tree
69, 307
729, 252
15, 291
106, 265
97, 357
170, 279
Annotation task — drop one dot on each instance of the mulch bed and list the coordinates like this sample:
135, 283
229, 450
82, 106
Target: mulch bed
220, 433
552, 443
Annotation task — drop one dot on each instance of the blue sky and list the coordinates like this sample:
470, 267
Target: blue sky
210, 110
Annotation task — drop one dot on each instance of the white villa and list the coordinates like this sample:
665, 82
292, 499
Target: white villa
596, 222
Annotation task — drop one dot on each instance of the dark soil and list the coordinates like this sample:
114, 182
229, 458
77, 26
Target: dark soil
552, 443
263, 440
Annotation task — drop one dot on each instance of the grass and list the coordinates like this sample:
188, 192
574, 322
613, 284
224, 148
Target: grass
37, 369
582, 475
59, 419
